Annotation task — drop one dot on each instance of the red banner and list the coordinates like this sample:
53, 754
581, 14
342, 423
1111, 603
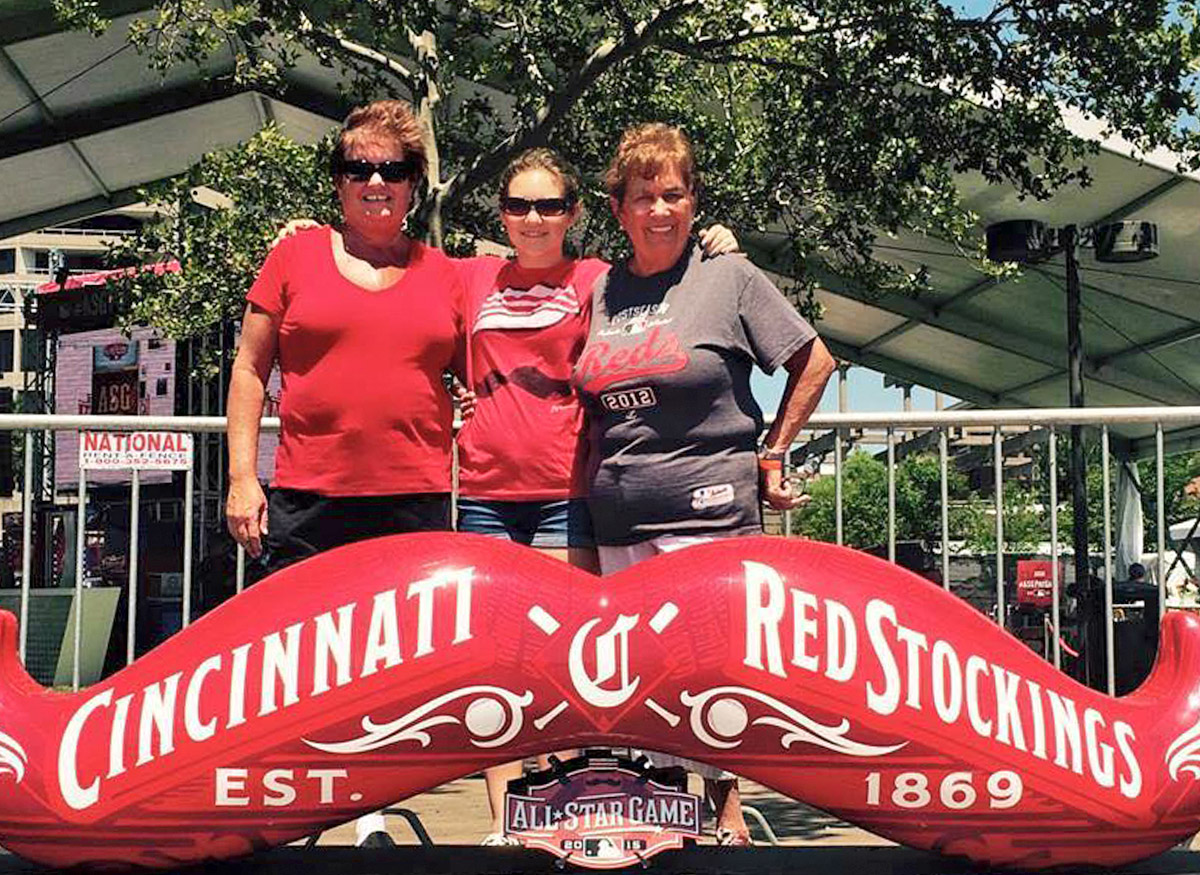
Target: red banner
1035, 581
376, 671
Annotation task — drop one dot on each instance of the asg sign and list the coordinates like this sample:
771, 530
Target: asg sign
603, 812
376, 671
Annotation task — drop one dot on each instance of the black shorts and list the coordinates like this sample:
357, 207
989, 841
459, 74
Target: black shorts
301, 524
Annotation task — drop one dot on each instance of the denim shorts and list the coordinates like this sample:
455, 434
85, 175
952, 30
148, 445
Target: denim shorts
547, 524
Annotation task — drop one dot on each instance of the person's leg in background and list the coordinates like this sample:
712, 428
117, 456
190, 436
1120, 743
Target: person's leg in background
560, 529
376, 516
720, 787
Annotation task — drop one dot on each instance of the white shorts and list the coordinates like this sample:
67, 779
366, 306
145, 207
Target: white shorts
614, 559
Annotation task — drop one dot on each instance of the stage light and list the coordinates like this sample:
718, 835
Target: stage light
1025, 241
1028, 241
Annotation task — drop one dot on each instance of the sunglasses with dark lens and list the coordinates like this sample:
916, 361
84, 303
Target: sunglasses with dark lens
545, 206
389, 171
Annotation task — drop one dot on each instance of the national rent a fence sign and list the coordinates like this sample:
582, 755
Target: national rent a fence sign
143, 450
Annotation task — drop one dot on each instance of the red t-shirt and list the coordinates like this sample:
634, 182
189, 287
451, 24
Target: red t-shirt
526, 330
363, 406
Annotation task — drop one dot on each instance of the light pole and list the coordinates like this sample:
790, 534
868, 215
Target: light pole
1027, 241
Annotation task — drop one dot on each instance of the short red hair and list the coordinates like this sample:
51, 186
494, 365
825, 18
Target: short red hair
386, 121
646, 150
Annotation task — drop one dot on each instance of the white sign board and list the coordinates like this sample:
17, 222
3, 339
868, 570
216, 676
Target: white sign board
143, 450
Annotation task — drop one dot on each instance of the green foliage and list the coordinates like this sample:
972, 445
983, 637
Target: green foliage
1026, 522
820, 126
1026, 507
1177, 471
972, 516
83, 14
269, 180
865, 502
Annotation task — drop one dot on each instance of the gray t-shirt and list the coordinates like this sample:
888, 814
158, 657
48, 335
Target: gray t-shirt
665, 376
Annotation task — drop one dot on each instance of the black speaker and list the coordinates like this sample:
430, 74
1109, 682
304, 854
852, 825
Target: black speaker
1020, 240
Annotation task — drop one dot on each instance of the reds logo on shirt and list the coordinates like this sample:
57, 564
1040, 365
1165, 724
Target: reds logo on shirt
601, 366
638, 319
538, 307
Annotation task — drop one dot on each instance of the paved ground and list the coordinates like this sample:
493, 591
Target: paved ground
456, 817
811, 842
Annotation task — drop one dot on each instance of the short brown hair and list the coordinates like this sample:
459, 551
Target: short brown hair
391, 121
543, 158
646, 150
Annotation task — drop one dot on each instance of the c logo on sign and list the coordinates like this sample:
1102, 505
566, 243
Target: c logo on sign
612, 656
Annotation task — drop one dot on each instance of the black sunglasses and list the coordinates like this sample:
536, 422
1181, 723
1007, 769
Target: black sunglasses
545, 206
389, 171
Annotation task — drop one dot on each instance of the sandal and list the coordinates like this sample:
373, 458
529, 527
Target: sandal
729, 838
499, 840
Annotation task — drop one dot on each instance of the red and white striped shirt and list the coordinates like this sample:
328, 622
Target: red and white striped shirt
526, 329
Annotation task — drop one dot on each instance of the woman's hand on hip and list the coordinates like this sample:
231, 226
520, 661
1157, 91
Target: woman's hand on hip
246, 514
782, 493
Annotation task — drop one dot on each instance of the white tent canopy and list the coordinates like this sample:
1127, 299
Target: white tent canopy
1183, 529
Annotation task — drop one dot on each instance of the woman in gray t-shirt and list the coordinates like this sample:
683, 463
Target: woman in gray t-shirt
665, 375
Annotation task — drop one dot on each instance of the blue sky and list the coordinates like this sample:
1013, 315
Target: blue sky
865, 389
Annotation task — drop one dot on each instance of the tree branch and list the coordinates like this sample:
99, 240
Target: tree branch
428, 96
994, 16
606, 56
531, 62
371, 57
683, 49
804, 31
801, 31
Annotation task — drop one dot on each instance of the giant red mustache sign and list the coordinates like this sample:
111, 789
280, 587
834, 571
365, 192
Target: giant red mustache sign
381, 669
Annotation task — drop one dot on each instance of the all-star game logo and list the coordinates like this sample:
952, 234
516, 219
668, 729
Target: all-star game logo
602, 812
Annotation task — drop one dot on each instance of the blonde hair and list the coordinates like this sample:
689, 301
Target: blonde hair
646, 150
390, 121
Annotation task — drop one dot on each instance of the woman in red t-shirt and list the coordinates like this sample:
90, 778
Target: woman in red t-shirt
366, 434
521, 457
522, 463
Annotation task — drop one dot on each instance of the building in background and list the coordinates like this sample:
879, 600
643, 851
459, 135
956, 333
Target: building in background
62, 352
